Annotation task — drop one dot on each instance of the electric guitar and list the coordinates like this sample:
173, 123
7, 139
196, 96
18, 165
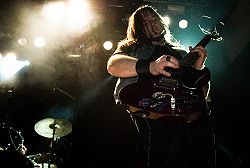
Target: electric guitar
175, 98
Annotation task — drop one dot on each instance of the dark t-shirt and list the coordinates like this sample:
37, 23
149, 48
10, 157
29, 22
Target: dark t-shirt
158, 51
166, 49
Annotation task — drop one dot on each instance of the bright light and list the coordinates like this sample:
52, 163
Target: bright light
22, 41
57, 19
54, 11
26, 63
9, 66
183, 24
166, 20
39, 42
107, 45
10, 57
78, 14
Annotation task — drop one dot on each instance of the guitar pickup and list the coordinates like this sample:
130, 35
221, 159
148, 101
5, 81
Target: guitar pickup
167, 83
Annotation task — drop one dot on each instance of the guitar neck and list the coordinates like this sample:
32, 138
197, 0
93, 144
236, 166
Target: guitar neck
190, 58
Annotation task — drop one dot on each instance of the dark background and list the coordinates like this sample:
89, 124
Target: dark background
80, 90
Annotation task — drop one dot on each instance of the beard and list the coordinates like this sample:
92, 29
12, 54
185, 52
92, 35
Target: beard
159, 38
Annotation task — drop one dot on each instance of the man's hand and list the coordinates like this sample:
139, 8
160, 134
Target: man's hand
202, 56
158, 66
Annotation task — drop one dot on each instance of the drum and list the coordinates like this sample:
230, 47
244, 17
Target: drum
41, 160
45, 165
11, 139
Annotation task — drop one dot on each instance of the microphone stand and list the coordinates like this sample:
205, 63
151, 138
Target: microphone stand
74, 109
65, 93
73, 99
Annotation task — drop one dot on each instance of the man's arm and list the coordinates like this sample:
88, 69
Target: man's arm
122, 65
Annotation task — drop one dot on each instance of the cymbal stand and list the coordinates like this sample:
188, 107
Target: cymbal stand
54, 127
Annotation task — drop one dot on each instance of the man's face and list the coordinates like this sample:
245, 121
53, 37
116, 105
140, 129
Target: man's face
152, 26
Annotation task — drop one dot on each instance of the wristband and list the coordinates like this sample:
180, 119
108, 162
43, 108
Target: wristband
142, 67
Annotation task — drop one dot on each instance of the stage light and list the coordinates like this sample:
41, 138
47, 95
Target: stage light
107, 45
78, 15
54, 11
9, 66
183, 24
22, 41
166, 20
39, 42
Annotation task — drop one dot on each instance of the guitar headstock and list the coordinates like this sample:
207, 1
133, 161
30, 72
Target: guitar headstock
209, 29
215, 36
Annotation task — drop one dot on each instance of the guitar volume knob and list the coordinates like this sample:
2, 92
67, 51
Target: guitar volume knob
172, 103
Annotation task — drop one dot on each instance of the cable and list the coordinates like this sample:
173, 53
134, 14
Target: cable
149, 142
143, 114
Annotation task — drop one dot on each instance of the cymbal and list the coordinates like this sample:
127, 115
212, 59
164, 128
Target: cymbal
46, 127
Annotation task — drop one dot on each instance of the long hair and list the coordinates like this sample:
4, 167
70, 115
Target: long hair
135, 32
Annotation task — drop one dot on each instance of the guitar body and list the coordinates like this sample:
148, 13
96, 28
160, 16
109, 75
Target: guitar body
177, 98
